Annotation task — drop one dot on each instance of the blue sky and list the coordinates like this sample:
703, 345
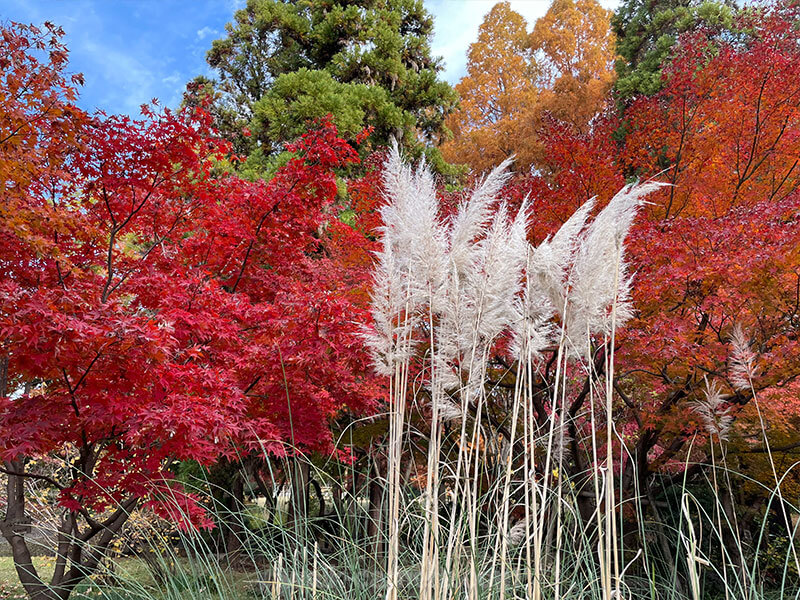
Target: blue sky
131, 51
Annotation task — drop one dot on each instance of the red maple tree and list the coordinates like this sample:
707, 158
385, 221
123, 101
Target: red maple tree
716, 249
155, 308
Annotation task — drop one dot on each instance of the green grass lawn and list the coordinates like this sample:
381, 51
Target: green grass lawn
133, 580
10, 588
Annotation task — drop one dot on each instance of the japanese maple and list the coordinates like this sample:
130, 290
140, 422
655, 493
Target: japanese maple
715, 250
154, 308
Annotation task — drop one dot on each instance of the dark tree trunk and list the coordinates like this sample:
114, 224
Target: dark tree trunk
376, 519
298, 502
14, 527
235, 528
227, 489
81, 551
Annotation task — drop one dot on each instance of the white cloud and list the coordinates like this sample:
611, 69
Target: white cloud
456, 24
128, 83
206, 32
172, 79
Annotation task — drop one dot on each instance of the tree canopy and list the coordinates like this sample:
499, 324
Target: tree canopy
516, 80
647, 30
367, 63
576, 52
155, 309
498, 94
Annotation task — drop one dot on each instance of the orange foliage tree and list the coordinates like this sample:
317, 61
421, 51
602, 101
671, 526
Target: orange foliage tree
717, 250
721, 248
498, 94
39, 125
517, 80
575, 48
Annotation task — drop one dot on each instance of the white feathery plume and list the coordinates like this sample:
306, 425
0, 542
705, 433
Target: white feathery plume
444, 365
469, 274
492, 285
599, 273
411, 225
380, 337
546, 286
449, 334
471, 219
468, 230
460, 285
743, 360
518, 533
532, 331
483, 304
552, 259
411, 267
449, 410
388, 337
712, 411
483, 287
518, 236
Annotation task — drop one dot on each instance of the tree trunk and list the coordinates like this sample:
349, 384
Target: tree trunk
298, 502
14, 527
376, 520
227, 489
235, 527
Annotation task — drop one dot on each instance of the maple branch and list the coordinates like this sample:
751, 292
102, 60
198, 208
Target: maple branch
86, 372
95, 526
252, 385
768, 151
82, 567
36, 476
678, 156
258, 230
3, 376
744, 175
116, 228
674, 447
599, 368
109, 264
784, 179
31, 121
549, 366
628, 402
72, 389
91, 521
762, 449
54, 201
157, 243
106, 200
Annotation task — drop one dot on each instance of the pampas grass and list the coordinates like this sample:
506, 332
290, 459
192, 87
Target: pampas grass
457, 287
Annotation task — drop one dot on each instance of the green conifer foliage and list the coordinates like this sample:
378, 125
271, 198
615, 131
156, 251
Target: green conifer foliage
367, 62
647, 30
